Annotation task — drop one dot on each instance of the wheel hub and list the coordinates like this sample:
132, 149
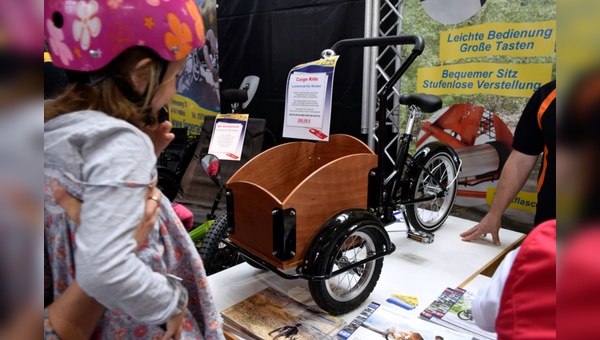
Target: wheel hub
343, 262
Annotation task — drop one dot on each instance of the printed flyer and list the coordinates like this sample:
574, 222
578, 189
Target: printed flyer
308, 100
228, 135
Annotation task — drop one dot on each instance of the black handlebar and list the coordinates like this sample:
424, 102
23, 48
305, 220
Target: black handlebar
404, 39
388, 87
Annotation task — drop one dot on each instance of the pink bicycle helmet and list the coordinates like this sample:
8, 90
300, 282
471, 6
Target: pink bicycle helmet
86, 35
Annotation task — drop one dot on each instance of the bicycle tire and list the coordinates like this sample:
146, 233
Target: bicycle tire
325, 292
439, 163
215, 255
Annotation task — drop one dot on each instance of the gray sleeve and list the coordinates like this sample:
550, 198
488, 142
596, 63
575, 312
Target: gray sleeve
107, 267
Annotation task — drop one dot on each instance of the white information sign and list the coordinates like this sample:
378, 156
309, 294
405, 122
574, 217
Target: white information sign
308, 100
228, 135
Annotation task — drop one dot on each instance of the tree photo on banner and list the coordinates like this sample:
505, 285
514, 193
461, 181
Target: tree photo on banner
198, 84
485, 63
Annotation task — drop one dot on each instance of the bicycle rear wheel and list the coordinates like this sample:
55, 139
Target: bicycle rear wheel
430, 215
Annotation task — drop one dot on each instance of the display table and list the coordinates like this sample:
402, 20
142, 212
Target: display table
417, 269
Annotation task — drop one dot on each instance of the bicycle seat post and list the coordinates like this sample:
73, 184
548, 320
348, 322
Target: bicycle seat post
413, 112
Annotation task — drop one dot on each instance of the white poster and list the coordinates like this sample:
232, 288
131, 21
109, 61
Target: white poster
308, 100
228, 135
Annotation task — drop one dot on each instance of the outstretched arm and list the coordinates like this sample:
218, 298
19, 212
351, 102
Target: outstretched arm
513, 177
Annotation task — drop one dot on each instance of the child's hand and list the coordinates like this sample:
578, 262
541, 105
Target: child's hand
175, 326
72, 207
160, 135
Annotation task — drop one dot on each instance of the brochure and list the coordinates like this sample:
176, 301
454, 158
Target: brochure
270, 314
227, 139
452, 309
381, 322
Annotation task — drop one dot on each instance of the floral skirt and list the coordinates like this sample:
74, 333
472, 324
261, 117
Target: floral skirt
168, 249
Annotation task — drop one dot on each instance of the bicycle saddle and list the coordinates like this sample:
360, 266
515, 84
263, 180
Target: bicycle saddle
234, 96
426, 102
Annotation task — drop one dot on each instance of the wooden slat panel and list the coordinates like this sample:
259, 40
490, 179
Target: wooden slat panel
280, 169
252, 210
339, 146
339, 185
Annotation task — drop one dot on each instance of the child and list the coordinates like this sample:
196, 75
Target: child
123, 59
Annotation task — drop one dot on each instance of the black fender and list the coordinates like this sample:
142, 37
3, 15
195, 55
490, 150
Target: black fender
338, 228
434, 146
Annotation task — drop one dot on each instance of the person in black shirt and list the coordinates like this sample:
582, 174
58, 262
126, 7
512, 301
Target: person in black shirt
535, 134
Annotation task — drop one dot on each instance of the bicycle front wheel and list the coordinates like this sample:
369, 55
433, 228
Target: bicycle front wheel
347, 291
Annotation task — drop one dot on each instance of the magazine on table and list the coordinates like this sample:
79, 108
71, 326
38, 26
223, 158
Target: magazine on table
441, 305
382, 322
270, 314
458, 316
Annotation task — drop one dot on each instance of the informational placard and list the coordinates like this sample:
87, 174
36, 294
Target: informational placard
517, 39
308, 100
228, 135
512, 80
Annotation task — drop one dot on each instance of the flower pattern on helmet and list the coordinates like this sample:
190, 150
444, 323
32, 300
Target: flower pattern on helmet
120, 36
195, 14
57, 44
114, 4
97, 31
180, 38
88, 24
155, 2
149, 22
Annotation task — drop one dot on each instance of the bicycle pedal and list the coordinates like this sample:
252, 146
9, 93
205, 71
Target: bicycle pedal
420, 236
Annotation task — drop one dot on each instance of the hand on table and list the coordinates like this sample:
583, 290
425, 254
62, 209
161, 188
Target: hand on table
487, 225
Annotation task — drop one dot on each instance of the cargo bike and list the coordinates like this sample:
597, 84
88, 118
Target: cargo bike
318, 210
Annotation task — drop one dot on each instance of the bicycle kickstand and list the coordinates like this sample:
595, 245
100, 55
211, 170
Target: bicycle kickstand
417, 235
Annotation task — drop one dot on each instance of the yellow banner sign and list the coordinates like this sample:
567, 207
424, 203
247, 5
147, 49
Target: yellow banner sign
531, 39
512, 80
184, 112
524, 200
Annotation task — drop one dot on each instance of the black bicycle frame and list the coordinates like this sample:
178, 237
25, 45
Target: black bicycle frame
384, 192
299, 274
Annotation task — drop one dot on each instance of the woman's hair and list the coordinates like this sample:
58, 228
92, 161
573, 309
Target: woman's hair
107, 95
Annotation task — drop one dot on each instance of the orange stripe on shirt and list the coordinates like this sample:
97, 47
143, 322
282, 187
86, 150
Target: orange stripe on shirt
543, 172
545, 104
551, 97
